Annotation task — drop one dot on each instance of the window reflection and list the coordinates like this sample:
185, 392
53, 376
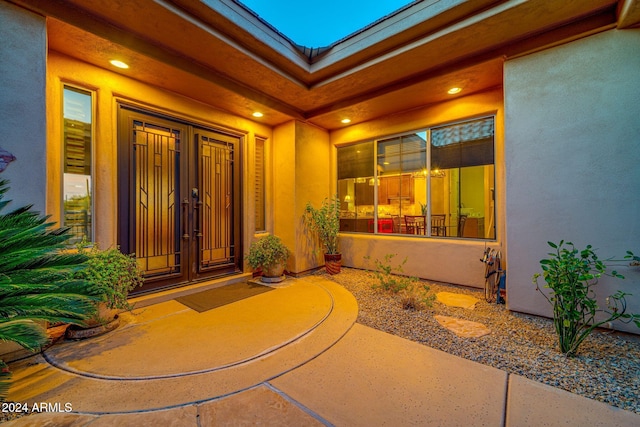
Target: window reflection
439, 183
77, 190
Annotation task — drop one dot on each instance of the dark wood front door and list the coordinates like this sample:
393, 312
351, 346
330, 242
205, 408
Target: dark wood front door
178, 199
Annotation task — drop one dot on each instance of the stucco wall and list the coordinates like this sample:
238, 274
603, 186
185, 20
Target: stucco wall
23, 47
572, 154
450, 260
302, 173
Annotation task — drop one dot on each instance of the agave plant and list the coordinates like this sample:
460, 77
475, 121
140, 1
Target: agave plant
36, 280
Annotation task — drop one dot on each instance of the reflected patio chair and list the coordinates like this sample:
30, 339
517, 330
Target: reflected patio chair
415, 224
397, 226
438, 226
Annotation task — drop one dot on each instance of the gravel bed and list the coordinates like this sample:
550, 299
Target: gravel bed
607, 367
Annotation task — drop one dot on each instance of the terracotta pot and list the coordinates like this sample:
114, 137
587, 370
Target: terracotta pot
106, 320
332, 263
273, 273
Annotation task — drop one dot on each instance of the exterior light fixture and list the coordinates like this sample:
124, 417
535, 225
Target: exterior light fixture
454, 90
345, 121
119, 64
257, 114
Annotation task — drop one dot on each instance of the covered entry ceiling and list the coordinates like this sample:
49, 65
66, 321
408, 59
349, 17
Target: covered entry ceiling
218, 50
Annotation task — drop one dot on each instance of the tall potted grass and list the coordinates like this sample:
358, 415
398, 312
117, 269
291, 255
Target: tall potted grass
325, 221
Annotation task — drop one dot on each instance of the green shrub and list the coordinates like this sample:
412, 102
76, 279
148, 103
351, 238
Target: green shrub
414, 295
571, 275
112, 275
267, 251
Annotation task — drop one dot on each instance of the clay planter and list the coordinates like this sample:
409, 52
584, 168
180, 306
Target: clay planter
332, 263
106, 320
273, 273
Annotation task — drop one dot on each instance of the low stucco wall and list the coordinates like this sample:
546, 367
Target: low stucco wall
449, 261
572, 155
23, 49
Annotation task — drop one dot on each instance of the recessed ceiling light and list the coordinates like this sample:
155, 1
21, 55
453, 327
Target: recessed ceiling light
118, 64
454, 90
257, 114
345, 121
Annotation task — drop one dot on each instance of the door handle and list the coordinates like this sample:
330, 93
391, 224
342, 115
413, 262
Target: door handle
185, 213
196, 212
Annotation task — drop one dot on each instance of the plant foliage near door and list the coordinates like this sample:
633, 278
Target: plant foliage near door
267, 251
36, 280
571, 274
112, 274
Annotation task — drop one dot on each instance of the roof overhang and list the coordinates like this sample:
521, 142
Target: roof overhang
218, 50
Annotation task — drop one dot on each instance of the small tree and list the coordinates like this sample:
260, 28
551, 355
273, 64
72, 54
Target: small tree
571, 275
37, 279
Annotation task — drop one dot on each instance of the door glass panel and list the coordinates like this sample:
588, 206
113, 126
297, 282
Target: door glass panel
215, 208
157, 243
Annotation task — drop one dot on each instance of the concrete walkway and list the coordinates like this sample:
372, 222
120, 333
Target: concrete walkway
293, 356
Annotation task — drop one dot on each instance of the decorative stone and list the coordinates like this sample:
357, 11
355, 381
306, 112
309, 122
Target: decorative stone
457, 300
463, 328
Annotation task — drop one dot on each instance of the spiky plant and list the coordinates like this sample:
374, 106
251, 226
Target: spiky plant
36, 279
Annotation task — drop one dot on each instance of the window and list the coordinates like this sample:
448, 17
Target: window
77, 159
437, 182
260, 185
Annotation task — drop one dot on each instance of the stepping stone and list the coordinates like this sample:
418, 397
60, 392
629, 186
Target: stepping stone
463, 328
457, 300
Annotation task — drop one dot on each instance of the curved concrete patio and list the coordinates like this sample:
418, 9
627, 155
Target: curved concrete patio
293, 356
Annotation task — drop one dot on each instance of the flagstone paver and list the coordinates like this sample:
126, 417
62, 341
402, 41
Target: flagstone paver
453, 299
463, 328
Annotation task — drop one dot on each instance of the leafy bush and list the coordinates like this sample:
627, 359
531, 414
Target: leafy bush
112, 275
38, 280
267, 251
414, 295
571, 275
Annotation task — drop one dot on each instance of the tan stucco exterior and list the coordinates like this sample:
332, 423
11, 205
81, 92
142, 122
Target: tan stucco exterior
572, 138
562, 83
23, 103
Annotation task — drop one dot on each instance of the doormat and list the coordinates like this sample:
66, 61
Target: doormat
207, 300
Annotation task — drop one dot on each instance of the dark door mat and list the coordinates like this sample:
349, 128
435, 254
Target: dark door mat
207, 300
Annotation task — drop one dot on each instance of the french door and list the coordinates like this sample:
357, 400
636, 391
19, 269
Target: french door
178, 199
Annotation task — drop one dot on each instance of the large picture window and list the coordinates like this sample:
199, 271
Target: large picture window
437, 182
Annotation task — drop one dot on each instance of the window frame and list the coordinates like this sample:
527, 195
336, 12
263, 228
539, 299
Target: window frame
93, 95
428, 182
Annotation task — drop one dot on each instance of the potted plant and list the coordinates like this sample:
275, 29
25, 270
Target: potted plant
271, 255
112, 275
326, 222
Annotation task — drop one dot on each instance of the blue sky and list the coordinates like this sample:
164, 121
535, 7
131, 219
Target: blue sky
318, 23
